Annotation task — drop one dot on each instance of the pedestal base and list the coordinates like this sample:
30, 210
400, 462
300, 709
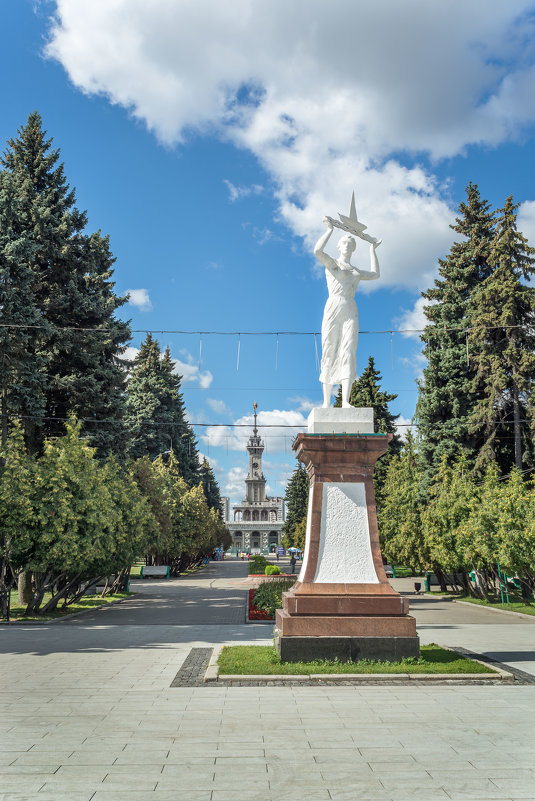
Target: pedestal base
346, 649
342, 605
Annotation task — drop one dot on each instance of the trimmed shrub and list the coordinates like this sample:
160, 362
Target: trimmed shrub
258, 564
272, 570
269, 595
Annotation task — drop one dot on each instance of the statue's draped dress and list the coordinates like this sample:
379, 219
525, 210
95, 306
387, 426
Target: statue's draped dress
340, 327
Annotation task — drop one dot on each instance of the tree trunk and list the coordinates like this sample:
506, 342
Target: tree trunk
516, 427
441, 579
24, 586
41, 587
4, 415
51, 605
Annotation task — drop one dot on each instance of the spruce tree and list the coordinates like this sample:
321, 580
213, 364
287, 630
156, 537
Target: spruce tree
446, 394
155, 411
73, 291
366, 392
502, 350
210, 486
184, 441
296, 498
22, 378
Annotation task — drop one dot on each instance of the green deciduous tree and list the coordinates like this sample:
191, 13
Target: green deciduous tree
453, 496
17, 508
151, 483
129, 529
196, 530
400, 517
74, 509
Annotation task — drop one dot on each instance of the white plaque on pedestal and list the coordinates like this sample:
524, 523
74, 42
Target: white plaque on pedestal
341, 421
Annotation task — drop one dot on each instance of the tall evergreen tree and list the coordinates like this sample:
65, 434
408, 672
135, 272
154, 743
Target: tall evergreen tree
73, 291
184, 441
210, 486
296, 498
155, 411
502, 349
366, 391
22, 379
446, 395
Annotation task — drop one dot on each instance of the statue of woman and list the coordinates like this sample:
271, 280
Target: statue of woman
340, 326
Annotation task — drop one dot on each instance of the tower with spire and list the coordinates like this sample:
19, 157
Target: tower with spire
255, 483
257, 521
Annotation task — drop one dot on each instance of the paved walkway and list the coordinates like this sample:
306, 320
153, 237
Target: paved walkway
88, 714
214, 596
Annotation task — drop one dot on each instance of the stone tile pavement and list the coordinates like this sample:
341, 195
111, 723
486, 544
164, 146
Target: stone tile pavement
88, 714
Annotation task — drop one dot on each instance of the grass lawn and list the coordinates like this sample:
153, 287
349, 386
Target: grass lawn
263, 659
89, 602
514, 606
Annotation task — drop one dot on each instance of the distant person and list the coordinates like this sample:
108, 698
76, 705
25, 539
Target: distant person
277, 556
292, 564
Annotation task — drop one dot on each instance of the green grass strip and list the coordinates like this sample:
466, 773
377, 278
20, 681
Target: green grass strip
88, 602
514, 606
263, 660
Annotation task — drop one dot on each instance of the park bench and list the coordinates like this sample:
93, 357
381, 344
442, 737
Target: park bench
155, 571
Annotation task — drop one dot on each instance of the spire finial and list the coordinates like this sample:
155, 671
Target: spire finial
255, 407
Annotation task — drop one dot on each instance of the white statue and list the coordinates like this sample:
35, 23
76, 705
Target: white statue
340, 326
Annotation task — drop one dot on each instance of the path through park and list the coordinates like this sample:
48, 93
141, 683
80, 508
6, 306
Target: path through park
89, 713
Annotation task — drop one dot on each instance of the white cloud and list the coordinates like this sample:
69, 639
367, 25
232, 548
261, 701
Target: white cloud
325, 107
218, 406
414, 320
234, 482
214, 464
239, 192
190, 371
130, 353
187, 369
526, 220
140, 299
416, 363
404, 424
271, 427
304, 404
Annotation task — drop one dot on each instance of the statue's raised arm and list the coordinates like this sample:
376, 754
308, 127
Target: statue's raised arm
324, 258
339, 330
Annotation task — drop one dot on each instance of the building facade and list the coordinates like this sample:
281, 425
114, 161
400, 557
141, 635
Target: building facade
225, 508
256, 524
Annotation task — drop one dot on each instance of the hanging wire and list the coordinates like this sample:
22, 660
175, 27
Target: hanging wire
238, 356
277, 353
392, 348
200, 349
316, 351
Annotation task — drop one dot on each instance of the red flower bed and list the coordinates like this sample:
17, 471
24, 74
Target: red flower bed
254, 612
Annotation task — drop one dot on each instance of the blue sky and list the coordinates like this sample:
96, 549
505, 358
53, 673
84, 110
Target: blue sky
209, 139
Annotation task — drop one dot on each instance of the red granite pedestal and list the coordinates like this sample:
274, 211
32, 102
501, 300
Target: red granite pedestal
342, 604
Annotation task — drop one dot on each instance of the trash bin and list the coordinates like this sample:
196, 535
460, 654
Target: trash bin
417, 587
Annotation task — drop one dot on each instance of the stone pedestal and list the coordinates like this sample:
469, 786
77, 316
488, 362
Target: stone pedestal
342, 604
